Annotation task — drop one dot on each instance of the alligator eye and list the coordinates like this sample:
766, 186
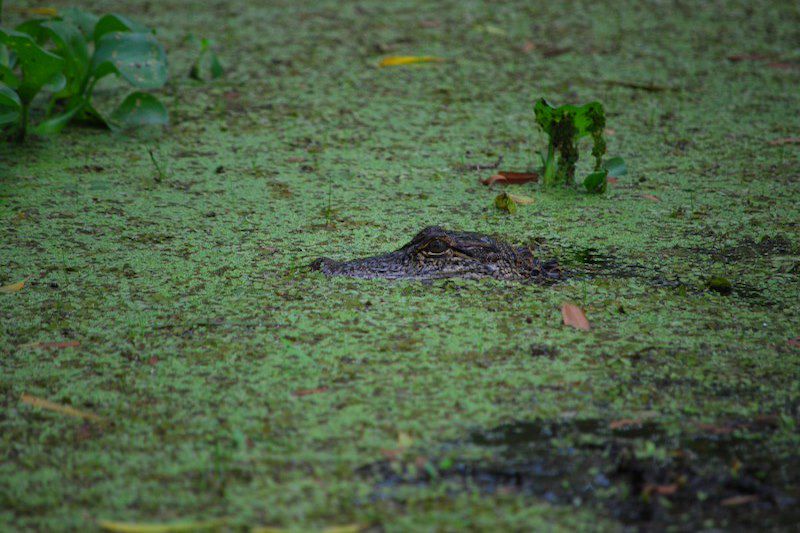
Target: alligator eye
435, 247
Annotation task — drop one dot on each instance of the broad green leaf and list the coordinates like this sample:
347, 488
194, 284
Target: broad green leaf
39, 66
10, 105
140, 109
71, 46
596, 182
137, 57
34, 29
8, 77
83, 20
615, 166
55, 124
117, 23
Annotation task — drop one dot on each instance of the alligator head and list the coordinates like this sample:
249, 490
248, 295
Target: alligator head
439, 253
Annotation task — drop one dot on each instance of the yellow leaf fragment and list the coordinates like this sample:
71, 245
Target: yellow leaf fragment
393, 61
349, 528
14, 287
404, 440
41, 403
44, 11
521, 200
171, 527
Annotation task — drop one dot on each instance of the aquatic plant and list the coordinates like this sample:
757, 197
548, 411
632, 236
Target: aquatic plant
66, 55
565, 126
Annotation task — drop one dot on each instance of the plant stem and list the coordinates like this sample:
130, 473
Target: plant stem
23, 123
550, 166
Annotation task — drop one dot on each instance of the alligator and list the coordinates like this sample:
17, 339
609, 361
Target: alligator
436, 253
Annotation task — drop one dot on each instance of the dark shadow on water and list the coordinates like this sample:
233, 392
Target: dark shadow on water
641, 475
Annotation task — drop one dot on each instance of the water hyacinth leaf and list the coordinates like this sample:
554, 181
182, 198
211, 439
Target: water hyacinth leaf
114, 22
596, 182
83, 20
71, 46
138, 57
34, 29
10, 105
39, 67
140, 109
56, 83
615, 166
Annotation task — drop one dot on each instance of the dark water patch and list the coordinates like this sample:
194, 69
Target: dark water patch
752, 249
712, 476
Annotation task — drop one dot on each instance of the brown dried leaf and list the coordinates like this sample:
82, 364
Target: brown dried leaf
515, 178
651, 197
14, 287
307, 392
574, 316
54, 345
784, 140
739, 500
661, 490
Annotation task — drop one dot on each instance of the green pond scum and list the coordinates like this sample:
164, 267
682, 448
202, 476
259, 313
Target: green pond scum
168, 291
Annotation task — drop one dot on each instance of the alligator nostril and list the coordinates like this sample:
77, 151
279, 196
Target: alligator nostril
322, 264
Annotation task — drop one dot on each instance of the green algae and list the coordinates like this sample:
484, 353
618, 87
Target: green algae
197, 318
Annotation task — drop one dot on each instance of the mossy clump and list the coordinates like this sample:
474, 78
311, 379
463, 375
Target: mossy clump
719, 284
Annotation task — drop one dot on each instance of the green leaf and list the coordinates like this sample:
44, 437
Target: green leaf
83, 20
39, 66
595, 182
55, 124
8, 77
10, 105
140, 109
215, 67
117, 23
137, 57
615, 166
56, 83
71, 46
33, 28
